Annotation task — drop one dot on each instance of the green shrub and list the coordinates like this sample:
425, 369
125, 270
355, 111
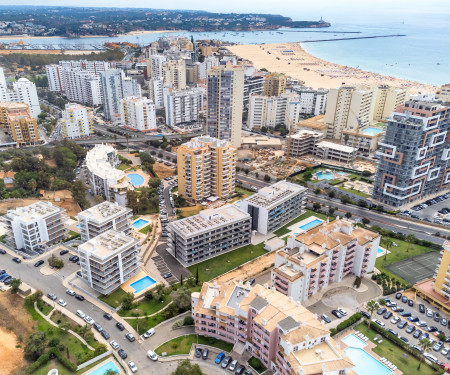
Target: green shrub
256, 364
188, 320
44, 358
348, 322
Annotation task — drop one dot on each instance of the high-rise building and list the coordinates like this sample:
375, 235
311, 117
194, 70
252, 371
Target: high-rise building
109, 260
225, 95
209, 62
174, 73
34, 226
156, 91
183, 106
76, 121
274, 84
387, 99
138, 113
16, 119
155, 66
443, 93
285, 336
206, 168
192, 73
208, 234
253, 85
312, 102
414, 154
103, 217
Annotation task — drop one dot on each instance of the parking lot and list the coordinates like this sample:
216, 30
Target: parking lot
415, 269
223, 363
429, 213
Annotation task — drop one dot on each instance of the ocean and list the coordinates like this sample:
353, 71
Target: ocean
422, 55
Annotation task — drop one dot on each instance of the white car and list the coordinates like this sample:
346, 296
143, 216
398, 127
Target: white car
395, 320
152, 355
81, 314
132, 366
445, 351
342, 311
114, 345
379, 322
70, 292
62, 303
89, 320
149, 333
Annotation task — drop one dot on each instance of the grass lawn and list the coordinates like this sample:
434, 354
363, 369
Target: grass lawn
284, 230
123, 166
246, 193
44, 307
73, 233
393, 353
142, 325
191, 211
146, 307
353, 191
62, 370
256, 364
211, 268
182, 345
146, 229
114, 299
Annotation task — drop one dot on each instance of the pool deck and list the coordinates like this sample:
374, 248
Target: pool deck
382, 253
368, 348
295, 228
129, 289
108, 359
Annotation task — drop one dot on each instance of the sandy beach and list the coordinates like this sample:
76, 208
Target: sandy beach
294, 61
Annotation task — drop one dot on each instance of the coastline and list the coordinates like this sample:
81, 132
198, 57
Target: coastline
293, 60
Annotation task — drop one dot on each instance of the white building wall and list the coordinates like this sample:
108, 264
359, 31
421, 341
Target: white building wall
138, 113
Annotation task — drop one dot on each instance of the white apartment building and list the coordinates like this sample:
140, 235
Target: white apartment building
103, 217
323, 255
76, 121
174, 73
274, 205
156, 92
138, 113
92, 67
312, 102
103, 176
208, 234
155, 66
34, 226
109, 260
209, 62
183, 106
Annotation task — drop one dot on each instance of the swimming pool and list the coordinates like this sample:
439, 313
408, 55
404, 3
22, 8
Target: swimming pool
102, 369
365, 364
136, 179
324, 176
380, 251
354, 341
311, 224
142, 284
140, 223
372, 131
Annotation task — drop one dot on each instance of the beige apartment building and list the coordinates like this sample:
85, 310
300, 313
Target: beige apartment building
174, 74
206, 168
443, 93
387, 99
274, 84
17, 121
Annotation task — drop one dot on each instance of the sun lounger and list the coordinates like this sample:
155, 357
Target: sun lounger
379, 342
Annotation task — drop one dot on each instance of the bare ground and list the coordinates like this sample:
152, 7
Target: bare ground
163, 171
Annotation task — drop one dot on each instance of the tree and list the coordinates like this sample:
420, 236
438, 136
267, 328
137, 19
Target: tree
185, 367
132, 201
346, 137
267, 178
387, 243
317, 191
154, 182
345, 199
127, 301
264, 129
54, 261
365, 220
110, 372
36, 345
98, 199
348, 215
78, 190
15, 285
331, 211
32, 184
316, 206
410, 238
331, 194
307, 174
182, 298
366, 173
371, 307
425, 345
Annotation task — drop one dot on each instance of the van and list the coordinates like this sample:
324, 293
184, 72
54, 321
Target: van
152, 355
430, 357
149, 333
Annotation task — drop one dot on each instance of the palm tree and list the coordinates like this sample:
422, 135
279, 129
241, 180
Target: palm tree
371, 307
387, 243
425, 345
410, 238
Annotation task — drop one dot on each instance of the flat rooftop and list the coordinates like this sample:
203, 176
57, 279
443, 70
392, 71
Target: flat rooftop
107, 244
208, 220
97, 162
34, 211
104, 211
272, 195
237, 296
336, 146
206, 140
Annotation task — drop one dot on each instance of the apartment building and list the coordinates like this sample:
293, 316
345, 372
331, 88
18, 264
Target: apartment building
285, 336
16, 120
225, 95
103, 176
274, 205
253, 85
321, 256
34, 226
312, 102
183, 106
414, 154
192, 73
274, 84
206, 168
108, 260
103, 217
155, 66
443, 93
210, 233
138, 113
304, 143
77, 121
208, 63
93, 67
174, 73
156, 92
387, 99
334, 151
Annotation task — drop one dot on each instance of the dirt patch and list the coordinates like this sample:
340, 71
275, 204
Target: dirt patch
191, 211
164, 171
341, 297
15, 325
50, 162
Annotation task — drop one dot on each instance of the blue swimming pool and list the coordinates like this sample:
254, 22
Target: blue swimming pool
324, 176
102, 369
372, 131
311, 224
136, 179
354, 341
365, 364
142, 284
380, 251
140, 223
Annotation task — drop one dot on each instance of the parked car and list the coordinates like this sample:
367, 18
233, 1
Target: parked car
395, 320
130, 337
326, 318
342, 311
398, 309
381, 311
122, 353
337, 314
132, 367
51, 296
114, 345
17, 260
70, 292
391, 331
79, 297
444, 322
398, 296
105, 334
438, 346
404, 299
107, 316
379, 322
226, 362
89, 320
365, 314
402, 324
120, 326
233, 365
198, 352
205, 353
219, 358
97, 327
152, 355
436, 317
410, 303
387, 314
240, 370
405, 314
63, 252
417, 333
39, 263
421, 308
410, 329
413, 319
404, 339
167, 275
149, 333
81, 314
62, 303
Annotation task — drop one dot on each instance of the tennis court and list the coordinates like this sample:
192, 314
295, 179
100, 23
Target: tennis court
417, 268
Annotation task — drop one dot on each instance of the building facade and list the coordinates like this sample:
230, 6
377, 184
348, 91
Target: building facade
323, 255
414, 154
33, 227
183, 106
206, 168
387, 99
108, 260
156, 92
77, 121
274, 84
174, 73
103, 217
312, 102
274, 205
138, 113
225, 95
155, 66
285, 336
17, 121
210, 233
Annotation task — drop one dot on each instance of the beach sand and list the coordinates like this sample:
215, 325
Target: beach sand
294, 61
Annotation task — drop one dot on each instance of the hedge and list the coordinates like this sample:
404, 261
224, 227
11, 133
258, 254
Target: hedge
346, 323
44, 358
401, 344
